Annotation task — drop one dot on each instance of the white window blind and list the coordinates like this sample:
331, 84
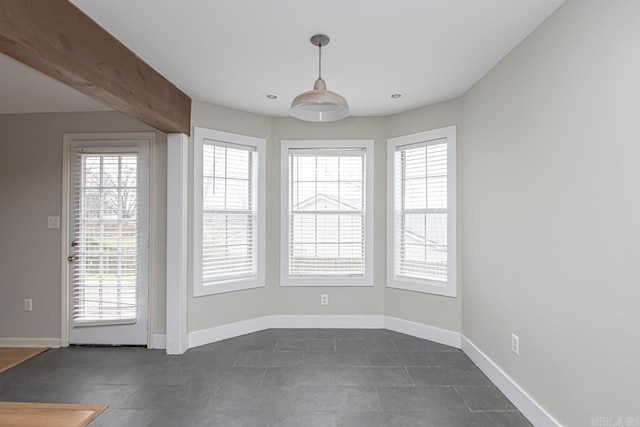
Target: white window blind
105, 275
229, 212
326, 212
421, 211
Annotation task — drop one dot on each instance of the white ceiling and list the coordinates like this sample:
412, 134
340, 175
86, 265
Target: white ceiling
233, 52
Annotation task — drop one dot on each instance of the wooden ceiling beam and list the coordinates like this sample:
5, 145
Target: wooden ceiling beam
59, 40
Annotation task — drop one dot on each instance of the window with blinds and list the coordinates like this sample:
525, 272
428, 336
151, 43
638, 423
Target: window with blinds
421, 212
105, 272
229, 212
327, 212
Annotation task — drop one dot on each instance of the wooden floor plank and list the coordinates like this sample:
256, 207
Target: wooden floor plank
18, 414
11, 356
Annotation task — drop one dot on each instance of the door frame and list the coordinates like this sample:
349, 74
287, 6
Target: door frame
67, 139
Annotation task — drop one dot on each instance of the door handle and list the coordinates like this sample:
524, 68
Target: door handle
73, 258
75, 243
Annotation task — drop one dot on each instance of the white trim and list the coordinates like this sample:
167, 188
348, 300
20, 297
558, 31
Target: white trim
218, 333
419, 330
223, 332
329, 152
152, 232
108, 150
227, 139
30, 342
368, 146
327, 322
448, 288
537, 415
177, 247
64, 245
159, 341
67, 139
231, 330
328, 281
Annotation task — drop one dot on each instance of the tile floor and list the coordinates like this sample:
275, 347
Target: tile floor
277, 377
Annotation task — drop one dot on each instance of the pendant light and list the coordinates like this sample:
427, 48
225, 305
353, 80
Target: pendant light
319, 104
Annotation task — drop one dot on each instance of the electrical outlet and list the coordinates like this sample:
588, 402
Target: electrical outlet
324, 299
28, 304
515, 344
53, 222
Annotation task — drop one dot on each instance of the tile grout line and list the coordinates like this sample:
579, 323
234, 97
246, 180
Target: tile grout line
169, 361
379, 400
262, 378
406, 369
465, 402
237, 359
437, 362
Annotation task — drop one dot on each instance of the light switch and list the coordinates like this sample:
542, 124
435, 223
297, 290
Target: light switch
53, 222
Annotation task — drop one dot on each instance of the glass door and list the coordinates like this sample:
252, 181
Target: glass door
108, 261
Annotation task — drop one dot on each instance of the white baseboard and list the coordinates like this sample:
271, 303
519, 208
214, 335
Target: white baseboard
326, 322
525, 403
30, 342
431, 333
159, 341
219, 333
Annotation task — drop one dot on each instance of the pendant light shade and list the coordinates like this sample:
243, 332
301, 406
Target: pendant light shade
319, 104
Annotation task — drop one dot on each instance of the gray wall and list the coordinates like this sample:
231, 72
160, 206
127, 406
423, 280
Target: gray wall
342, 301
433, 310
551, 215
215, 310
31, 190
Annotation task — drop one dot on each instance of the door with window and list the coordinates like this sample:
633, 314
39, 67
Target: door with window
108, 241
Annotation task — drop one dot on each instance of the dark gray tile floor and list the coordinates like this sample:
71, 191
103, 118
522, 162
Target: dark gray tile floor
277, 377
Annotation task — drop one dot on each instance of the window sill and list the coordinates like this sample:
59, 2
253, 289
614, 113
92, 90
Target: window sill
326, 282
225, 287
425, 287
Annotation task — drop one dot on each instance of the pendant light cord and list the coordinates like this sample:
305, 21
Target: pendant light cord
320, 61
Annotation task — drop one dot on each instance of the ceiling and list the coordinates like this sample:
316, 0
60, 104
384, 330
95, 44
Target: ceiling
233, 52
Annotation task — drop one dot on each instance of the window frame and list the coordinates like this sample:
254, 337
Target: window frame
200, 287
367, 145
448, 288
